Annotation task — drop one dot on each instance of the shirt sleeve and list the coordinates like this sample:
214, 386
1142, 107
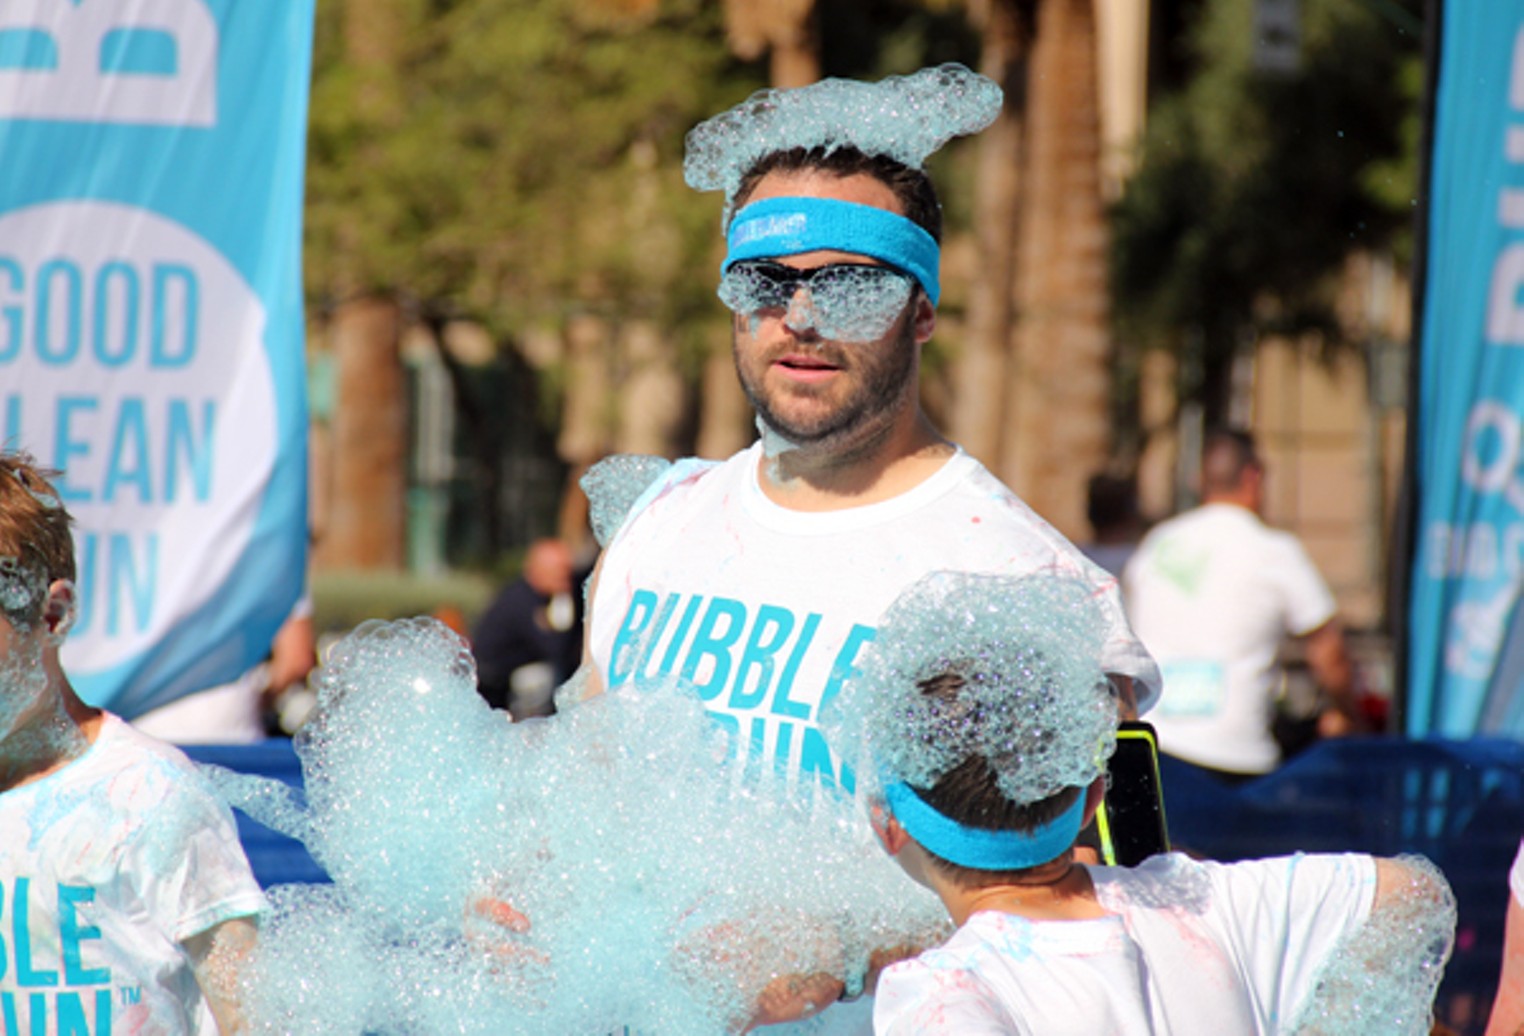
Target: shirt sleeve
193, 870
917, 999
1290, 914
1307, 601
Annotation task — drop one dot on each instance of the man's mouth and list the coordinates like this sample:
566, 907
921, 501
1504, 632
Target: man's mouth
806, 363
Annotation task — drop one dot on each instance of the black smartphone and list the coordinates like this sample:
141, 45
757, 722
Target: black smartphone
1131, 822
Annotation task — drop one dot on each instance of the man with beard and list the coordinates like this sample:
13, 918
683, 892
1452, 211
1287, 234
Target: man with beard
760, 579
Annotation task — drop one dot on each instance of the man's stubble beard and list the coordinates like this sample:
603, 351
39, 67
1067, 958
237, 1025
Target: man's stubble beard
887, 380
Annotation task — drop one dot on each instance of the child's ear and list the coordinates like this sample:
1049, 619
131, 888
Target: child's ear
1093, 796
59, 611
890, 834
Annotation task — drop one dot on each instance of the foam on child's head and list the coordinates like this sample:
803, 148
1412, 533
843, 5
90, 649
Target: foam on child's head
1034, 702
20, 590
905, 118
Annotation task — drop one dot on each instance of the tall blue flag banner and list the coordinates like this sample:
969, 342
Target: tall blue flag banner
151, 156
1466, 663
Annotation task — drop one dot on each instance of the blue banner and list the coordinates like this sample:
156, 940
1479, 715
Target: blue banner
151, 333
1466, 663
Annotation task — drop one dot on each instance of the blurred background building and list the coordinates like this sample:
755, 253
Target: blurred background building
1190, 211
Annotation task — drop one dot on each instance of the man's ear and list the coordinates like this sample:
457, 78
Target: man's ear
925, 318
59, 611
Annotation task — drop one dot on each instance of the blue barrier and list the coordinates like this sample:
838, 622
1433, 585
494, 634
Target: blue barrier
1460, 803
276, 859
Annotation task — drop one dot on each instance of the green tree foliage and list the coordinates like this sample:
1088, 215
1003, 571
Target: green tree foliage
525, 159
1255, 186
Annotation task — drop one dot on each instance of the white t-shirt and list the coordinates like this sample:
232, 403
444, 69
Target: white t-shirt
766, 608
228, 714
1212, 592
106, 867
1189, 948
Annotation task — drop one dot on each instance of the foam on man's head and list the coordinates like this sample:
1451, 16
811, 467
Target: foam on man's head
903, 118
1034, 700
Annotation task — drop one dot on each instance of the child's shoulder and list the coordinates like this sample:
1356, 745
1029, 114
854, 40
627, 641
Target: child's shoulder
125, 745
990, 934
1166, 880
1176, 882
127, 796
143, 773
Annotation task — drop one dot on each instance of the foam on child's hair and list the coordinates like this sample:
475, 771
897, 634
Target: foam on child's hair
19, 589
23, 677
1035, 701
905, 118
1381, 981
664, 890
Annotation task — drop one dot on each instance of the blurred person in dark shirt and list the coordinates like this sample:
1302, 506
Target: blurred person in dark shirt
529, 640
1111, 507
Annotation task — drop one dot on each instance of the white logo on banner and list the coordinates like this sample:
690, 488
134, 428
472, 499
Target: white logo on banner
1505, 314
1476, 633
132, 357
147, 62
1483, 552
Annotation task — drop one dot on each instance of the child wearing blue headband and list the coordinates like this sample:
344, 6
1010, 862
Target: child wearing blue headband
985, 712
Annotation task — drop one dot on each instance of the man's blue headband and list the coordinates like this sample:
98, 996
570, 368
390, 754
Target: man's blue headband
787, 226
978, 848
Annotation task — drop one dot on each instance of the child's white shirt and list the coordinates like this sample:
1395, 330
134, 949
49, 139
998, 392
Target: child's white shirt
1187, 948
106, 867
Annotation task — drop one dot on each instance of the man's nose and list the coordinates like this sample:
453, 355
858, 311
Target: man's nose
800, 315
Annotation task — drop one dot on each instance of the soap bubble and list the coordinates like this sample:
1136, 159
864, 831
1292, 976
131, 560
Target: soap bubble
1382, 978
664, 888
23, 680
20, 590
845, 302
774, 445
1035, 701
905, 118
613, 485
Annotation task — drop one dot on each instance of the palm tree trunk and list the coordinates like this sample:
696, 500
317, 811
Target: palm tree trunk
787, 31
584, 435
981, 370
1061, 381
366, 514
651, 393
784, 29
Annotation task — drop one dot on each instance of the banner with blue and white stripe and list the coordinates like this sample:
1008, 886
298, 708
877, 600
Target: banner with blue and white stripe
1466, 658
151, 332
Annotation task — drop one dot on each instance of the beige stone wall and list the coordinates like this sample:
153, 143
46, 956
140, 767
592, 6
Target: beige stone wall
1335, 453
1122, 31
1314, 422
